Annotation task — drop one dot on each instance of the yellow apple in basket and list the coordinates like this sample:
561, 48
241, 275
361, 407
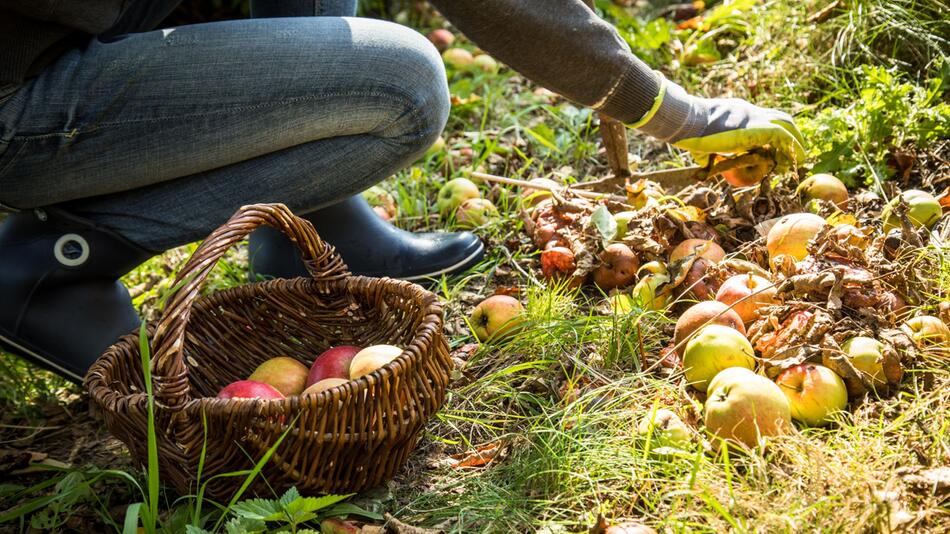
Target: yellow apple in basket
286, 374
372, 358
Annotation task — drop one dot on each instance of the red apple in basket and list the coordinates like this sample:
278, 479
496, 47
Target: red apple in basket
372, 358
249, 389
286, 374
332, 363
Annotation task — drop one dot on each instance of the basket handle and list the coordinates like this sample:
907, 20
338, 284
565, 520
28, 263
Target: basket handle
169, 372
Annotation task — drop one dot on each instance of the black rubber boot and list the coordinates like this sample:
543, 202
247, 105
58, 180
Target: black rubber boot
61, 304
369, 245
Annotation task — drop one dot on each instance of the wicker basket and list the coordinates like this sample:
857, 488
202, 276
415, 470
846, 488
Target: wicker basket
348, 438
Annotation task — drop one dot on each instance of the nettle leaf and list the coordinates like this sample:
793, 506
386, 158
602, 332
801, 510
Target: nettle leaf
289, 496
303, 508
605, 223
259, 509
244, 525
191, 529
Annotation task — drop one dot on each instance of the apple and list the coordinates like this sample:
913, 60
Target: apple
746, 408
623, 219
824, 186
496, 317
249, 389
618, 267
791, 234
747, 175
648, 293
701, 314
620, 303
372, 358
332, 363
712, 348
382, 201
323, 385
664, 429
923, 210
927, 330
458, 58
699, 280
747, 294
454, 193
814, 393
700, 248
441, 38
486, 64
866, 355
629, 527
557, 261
286, 374
475, 212
335, 525
437, 147
530, 197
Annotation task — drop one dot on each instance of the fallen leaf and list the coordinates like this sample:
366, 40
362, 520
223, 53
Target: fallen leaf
481, 456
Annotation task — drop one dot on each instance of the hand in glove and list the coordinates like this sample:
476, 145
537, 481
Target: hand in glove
707, 126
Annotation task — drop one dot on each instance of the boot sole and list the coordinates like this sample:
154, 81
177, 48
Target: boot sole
471, 259
21, 349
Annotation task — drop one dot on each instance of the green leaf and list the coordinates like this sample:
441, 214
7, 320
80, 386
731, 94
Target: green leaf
130, 526
542, 133
303, 508
244, 525
260, 509
346, 509
289, 496
191, 529
605, 223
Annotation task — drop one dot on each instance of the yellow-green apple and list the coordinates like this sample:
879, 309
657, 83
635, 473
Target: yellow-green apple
866, 355
475, 212
458, 58
623, 219
824, 186
701, 248
486, 63
382, 202
332, 363
745, 408
286, 374
437, 147
927, 331
323, 385
814, 393
454, 193
372, 358
441, 38
618, 267
747, 294
649, 292
699, 315
249, 389
664, 429
619, 303
713, 348
791, 234
923, 210
496, 317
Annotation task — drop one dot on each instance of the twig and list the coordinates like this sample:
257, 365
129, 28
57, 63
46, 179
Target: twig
541, 187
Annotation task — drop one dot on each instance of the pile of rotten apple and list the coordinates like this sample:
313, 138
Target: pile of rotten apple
786, 327
283, 376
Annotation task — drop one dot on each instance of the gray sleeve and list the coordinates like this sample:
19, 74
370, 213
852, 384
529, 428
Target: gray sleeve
89, 16
563, 46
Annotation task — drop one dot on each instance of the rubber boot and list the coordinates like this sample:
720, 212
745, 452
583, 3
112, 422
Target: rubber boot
369, 245
61, 304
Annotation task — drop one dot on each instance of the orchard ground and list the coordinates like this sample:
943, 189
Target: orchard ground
553, 409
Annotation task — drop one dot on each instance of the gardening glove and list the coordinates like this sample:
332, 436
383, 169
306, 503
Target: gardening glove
729, 126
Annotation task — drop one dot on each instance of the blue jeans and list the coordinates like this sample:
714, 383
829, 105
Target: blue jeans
161, 135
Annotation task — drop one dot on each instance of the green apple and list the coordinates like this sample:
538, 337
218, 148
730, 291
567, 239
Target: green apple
496, 317
664, 429
824, 186
437, 147
486, 63
475, 212
814, 393
866, 354
746, 408
712, 349
923, 210
454, 193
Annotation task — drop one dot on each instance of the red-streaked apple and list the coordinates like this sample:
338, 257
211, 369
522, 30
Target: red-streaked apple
746, 408
496, 317
699, 315
249, 389
713, 348
372, 358
747, 294
748, 175
441, 38
332, 363
814, 393
286, 374
701, 248
791, 234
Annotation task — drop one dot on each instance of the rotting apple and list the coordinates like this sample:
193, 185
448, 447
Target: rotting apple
699, 280
747, 294
711, 349
441, 38
923, 210
664, 429
475, 212
530, 197
824, 186
332, 363
372, 358
618, 267
791, 234
557, 261
335, 525
928, 331
458, 58
286, 374
496, 317
866, 355
323, 385
454, 193
699, 315
701, 248
249, 389
486, 63
814, 393
746, 408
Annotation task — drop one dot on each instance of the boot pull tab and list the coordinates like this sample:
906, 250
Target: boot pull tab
71, 250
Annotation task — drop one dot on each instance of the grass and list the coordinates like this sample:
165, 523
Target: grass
563, 397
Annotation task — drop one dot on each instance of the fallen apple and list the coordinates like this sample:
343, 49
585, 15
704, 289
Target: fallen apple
458, 58
629, 527
699, 315
530, 197
486, 63
619, 303
332, 363
249, 389
699, 280
475, 212
382, 201
824, 186
618, 267
928, 331
441, 38
372, 358
700, 248
866, 355
496, 317
335, 525
711, 349
745, 408
557, 262
814, 393
791, 234
454, 193
437, 147
923, 210
748, 175
323, 385
650, 293
747, 294
286, 374
664, 429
